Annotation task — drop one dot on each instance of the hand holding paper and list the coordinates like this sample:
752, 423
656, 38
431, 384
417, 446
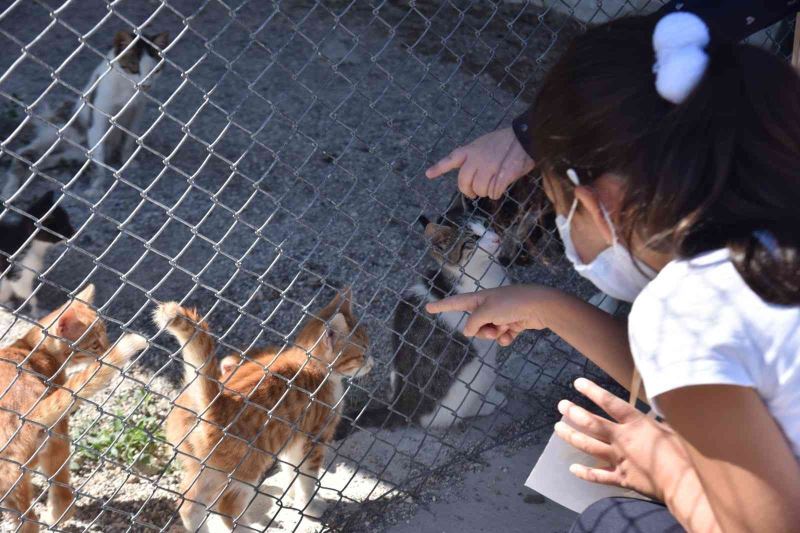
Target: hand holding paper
631, 455
641, 454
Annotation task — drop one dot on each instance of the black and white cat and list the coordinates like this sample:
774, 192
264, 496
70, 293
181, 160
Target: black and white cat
17, 281
439, 376
114, 90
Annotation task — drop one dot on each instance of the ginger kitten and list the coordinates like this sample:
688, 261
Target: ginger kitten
28, 406
228, 435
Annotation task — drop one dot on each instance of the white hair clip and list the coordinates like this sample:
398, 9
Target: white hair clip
679, 41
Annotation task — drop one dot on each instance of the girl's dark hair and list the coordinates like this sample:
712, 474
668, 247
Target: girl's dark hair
720, 170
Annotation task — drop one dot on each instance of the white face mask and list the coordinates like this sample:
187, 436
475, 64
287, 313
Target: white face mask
614, 271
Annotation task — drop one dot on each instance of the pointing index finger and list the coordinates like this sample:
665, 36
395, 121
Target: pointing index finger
453, 160
459, 302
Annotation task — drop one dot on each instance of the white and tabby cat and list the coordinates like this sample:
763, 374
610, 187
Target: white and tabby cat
134, 66
439, 376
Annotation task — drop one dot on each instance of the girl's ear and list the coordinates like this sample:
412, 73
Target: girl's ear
589, 200
554, 191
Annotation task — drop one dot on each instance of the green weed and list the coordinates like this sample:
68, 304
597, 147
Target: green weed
134, 441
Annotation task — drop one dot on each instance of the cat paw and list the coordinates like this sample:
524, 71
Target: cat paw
315, 509
256, 516
487, 409
53, 515
493, 401
497, 398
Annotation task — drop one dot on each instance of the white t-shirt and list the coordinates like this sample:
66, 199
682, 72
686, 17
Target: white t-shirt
698, 323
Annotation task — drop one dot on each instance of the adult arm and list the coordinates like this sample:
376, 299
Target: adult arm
742, 458
487, 166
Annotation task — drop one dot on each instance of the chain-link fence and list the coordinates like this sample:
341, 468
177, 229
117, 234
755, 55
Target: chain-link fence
252, 160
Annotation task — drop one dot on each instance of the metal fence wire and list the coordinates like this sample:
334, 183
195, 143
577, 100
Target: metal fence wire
252, 160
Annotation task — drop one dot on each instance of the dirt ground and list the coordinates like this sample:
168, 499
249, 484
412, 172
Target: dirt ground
281, 159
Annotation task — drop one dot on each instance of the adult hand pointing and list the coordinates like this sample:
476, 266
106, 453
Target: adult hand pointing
488, 165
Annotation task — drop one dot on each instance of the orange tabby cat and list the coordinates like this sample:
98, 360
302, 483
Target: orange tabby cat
23, 368
229, 434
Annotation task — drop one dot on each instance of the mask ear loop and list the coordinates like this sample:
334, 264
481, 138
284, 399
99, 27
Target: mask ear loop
573, 177
615, 241
607, 217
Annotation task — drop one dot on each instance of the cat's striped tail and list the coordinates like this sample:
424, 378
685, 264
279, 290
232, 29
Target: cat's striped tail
87, 382
200, 368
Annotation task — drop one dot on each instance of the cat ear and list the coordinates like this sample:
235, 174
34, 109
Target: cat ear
42, 205
437, 234
338, 324
423, 220
346, 306
228, 363
337, 328
161, 40
87, 294
69, 325
121, 41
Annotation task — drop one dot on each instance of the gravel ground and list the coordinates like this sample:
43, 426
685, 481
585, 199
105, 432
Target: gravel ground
282, 158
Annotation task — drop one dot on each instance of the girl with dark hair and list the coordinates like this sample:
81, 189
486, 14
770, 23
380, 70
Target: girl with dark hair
672, 159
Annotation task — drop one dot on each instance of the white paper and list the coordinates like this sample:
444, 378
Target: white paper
552, 479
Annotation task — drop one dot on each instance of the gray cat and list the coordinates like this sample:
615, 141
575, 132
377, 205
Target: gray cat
438, 375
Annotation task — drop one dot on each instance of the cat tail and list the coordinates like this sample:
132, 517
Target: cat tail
201, 371
380, 417
87, 382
